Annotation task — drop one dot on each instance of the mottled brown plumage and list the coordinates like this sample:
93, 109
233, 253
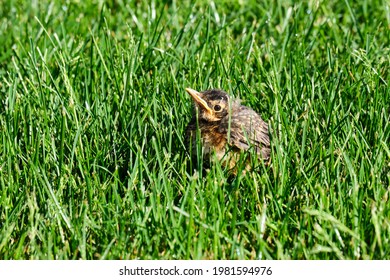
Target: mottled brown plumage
226, 128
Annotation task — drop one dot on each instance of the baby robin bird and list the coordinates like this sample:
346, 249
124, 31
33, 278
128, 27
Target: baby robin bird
226, 128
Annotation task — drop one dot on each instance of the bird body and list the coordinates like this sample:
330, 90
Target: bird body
226, 128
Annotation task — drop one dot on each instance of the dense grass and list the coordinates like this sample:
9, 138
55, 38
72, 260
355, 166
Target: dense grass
92, 160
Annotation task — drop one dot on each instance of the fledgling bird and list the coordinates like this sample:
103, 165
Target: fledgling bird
226, 128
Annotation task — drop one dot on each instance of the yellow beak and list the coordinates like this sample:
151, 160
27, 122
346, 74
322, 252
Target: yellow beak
197, 96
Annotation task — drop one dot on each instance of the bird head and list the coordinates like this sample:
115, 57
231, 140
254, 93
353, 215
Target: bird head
212, 105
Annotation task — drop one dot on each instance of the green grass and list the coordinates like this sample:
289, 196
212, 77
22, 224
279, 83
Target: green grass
92, 160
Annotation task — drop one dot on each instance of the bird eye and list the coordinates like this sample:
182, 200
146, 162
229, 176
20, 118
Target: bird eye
217, 108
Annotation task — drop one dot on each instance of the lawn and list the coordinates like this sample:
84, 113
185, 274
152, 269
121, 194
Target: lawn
93, 111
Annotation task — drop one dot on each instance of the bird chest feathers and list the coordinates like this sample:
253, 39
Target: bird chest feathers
211, 141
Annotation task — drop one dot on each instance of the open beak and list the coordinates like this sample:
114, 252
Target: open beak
197, 96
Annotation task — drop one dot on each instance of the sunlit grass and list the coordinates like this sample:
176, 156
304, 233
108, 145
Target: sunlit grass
92, 157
